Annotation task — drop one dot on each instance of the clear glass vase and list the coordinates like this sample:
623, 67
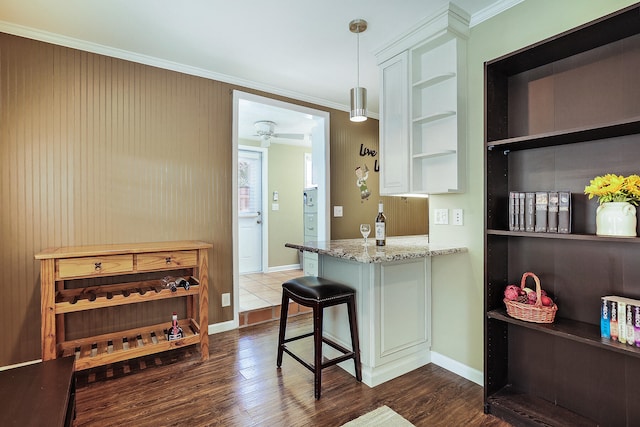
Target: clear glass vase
616, 219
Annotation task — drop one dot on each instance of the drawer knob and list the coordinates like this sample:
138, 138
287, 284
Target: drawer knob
98, 266
168, 260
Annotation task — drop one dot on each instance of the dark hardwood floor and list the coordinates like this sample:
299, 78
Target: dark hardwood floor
240, 386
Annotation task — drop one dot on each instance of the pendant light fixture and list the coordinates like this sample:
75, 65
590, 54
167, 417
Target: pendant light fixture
358, 94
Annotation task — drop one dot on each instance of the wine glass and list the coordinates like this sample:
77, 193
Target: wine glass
365, 229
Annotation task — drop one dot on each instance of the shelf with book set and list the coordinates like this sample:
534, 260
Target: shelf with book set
559, 113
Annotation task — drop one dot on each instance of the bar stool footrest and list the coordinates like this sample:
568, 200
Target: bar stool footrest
301, 361
299, 337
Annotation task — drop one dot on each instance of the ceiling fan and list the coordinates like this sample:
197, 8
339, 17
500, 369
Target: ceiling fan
265, 129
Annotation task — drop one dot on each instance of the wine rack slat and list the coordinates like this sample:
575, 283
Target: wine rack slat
96, 351
89, 298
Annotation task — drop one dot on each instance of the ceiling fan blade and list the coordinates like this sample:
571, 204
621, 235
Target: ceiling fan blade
289, 135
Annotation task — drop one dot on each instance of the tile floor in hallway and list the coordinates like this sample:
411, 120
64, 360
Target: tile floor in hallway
261, 295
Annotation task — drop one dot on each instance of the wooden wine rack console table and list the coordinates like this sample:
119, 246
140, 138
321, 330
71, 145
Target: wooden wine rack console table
59, 265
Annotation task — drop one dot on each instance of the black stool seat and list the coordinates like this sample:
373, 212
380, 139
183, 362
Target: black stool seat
318, 293
316, 288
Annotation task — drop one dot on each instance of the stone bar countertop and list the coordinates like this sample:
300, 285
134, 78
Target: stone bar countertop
396, 249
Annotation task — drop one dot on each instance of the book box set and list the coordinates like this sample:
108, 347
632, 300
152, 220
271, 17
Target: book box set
620, 320
540, 211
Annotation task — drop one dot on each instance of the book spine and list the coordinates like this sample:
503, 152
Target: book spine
613, 320
521, 212
636, 324
552, 217
512, 211
622, 322
542, 204
530, 216
629, 324
605, 331
564, 212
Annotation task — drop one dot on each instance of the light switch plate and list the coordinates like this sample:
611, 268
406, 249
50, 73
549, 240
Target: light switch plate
441, 216
226, 300
275, 207
337, 211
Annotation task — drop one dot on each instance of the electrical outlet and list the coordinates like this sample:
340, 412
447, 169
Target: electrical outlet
441, 216
457, 217
226, 300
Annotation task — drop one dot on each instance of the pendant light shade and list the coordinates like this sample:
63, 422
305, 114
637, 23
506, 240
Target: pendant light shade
358, 104
358, 94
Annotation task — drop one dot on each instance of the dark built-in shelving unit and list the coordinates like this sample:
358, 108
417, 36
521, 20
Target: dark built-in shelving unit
559, 113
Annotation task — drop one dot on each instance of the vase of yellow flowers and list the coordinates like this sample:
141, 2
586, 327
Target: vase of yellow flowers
618, 196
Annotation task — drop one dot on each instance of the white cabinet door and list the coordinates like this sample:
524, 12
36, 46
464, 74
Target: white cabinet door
394, 126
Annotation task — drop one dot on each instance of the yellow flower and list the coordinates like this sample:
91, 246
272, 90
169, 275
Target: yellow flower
632, 185
614, 188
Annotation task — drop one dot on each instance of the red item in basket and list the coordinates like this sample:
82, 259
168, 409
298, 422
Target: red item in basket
511, 292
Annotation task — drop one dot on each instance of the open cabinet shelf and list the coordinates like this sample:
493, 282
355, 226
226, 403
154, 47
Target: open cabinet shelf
586, 133
558, 113
581, 332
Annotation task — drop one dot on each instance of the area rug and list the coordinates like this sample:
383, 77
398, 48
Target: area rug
383, 416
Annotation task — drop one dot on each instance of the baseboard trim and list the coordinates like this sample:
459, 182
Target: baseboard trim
284, 268
458, 368
229, 325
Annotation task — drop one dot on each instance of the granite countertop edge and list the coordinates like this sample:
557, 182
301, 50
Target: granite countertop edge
396, 249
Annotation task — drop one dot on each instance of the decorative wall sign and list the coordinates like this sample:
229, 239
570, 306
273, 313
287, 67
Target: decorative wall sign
362, 173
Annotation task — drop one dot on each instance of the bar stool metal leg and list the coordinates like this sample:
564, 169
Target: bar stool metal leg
284, 310
317, 347
355, 342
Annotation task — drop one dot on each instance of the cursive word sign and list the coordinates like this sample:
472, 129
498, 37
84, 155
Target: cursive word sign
364, 151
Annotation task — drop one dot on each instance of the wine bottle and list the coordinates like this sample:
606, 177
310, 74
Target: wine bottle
381, 238
182, 283
175, 331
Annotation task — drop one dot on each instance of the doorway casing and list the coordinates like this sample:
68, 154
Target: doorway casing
320, 150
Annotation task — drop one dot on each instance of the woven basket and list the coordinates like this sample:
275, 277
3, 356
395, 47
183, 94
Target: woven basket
536, 313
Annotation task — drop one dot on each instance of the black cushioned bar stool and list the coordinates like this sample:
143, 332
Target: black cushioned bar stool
318, 293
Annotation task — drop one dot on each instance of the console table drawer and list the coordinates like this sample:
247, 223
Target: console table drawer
94, 266
164, 260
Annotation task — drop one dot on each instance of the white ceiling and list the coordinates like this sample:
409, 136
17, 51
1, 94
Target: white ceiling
294, 48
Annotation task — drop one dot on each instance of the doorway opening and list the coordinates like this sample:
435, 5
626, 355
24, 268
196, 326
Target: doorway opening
300, 135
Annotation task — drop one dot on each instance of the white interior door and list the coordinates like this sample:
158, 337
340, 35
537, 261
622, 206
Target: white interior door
250, 215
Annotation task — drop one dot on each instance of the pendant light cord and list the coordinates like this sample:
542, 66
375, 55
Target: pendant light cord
358, 58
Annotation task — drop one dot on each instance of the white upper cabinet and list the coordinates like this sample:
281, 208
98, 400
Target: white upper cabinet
423, 108
394, 130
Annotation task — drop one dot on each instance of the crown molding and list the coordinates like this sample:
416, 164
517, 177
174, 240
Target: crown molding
70, 42
491, 11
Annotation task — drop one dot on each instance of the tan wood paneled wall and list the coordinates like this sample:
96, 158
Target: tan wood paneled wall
97, 150
405, 216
